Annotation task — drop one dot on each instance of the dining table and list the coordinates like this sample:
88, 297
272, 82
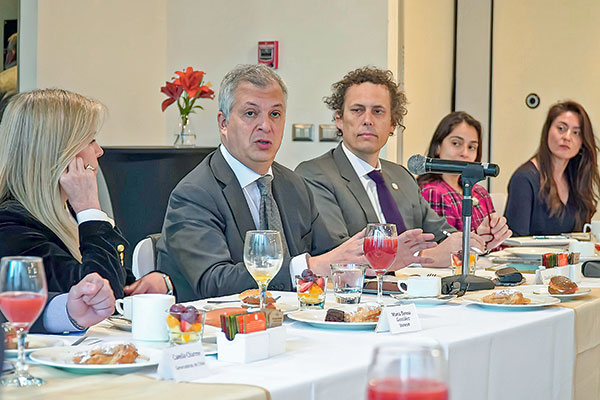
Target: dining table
550, 352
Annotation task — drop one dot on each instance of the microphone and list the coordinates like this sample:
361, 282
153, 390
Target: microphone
419, 165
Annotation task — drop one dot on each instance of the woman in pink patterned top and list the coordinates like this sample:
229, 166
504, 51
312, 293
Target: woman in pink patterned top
457, 137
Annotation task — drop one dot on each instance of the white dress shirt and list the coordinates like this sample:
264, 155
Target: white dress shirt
247, 179
362, 168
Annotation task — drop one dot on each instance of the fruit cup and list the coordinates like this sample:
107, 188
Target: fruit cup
311, 290
456, 262
186, 324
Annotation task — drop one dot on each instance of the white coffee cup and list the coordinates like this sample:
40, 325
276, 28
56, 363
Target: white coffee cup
421, 286
594, 227
123, 307
149, 316
585, 249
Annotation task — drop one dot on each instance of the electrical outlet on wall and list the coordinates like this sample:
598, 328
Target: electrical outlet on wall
328, 133
302, 132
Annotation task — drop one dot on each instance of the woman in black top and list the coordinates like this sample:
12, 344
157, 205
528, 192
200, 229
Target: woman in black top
557, 190
48, 193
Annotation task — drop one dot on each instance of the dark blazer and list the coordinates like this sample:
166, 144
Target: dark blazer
345, 206
23, 235
202, 241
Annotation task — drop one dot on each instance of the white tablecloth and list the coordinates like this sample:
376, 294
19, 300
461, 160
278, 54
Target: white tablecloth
492, 355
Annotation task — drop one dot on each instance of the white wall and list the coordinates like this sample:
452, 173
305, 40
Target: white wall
111, 50
427, 36
319, 42
557, 53
121, 52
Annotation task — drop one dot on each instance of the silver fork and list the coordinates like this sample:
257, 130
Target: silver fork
92, 340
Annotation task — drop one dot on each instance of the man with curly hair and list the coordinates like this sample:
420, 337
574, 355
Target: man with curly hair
353, 186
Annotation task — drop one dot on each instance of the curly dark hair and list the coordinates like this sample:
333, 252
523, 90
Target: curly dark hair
377, 76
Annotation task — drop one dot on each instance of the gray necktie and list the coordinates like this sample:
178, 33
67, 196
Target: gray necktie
269, 217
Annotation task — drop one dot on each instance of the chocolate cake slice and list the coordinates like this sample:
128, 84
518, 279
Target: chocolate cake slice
334, 315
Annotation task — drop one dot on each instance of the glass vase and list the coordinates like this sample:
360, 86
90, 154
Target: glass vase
185, 137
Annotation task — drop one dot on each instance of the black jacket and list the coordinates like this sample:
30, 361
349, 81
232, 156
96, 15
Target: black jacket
22, 235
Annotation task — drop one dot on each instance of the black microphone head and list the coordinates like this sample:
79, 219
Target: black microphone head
416, 164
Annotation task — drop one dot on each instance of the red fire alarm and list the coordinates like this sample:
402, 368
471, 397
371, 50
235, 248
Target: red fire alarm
268, 53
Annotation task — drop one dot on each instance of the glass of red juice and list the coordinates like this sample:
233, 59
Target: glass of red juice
23, 294
407, 372
380, 246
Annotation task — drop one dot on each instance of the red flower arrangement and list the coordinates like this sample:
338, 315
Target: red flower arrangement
191, 84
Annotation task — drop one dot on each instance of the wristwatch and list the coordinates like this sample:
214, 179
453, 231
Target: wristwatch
168, 283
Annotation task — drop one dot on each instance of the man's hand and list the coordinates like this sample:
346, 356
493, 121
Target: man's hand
494, 230
80, 186
91, 300
351, 251
151, 283
441, 253
409, 243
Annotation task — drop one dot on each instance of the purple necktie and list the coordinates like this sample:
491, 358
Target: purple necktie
387, 202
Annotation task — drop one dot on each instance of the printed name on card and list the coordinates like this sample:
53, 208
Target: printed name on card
183, 363
399, 319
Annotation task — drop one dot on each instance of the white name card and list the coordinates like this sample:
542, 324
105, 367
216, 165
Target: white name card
399, 319
183, 363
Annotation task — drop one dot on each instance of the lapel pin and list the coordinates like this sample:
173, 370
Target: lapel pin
394, 186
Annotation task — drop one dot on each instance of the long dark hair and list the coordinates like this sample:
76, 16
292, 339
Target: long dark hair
446, 125
581, 172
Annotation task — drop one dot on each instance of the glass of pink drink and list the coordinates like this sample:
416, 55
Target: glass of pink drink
380, 247
23, 294
407, 372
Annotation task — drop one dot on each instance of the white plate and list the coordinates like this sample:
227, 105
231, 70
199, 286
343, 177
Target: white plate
317, 318
423, 301
536, 301
578, 293
62, 357
539, 241
36, 343
532, 252
285, 307
121, 323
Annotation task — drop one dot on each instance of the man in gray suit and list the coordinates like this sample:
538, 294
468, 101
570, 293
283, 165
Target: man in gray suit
368, 106
212, 208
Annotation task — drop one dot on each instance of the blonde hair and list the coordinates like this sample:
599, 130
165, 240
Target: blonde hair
40, 133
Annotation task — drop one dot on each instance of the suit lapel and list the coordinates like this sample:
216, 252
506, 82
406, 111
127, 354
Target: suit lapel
233, 193
354, 184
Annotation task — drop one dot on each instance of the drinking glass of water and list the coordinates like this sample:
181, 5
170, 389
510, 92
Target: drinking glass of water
348, 280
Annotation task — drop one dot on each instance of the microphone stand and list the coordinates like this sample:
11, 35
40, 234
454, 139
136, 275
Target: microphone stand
469, 177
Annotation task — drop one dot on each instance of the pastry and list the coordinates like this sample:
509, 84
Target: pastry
561, 285
506, 297
364, 314
252, 297
119, 354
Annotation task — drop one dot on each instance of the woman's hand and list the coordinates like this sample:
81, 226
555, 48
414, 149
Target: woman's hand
494, 230
80, 187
